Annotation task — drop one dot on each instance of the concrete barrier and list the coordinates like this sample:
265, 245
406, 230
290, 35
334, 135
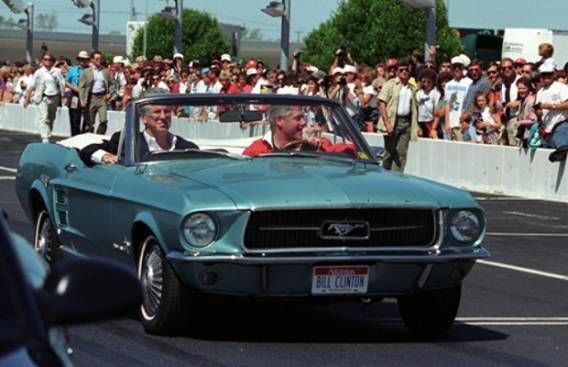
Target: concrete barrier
474, 167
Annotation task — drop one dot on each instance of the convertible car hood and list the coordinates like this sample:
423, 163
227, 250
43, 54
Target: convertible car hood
307, 182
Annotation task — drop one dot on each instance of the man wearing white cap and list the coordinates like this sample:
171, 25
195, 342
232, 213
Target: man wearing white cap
552, 106
454, 93
175, 71
118, 81
72, 82
342, 92
226, 61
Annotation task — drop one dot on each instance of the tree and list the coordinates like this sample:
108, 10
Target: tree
202, 37
252, 34
7, 22
373, 30
46, 22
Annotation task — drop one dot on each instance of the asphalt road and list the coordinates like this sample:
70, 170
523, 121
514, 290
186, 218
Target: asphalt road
514, 309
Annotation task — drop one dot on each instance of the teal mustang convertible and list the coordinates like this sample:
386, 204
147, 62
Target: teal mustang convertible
264, 196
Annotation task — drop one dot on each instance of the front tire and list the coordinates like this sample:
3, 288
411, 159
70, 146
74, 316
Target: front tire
162, 310
431, 312
45, 238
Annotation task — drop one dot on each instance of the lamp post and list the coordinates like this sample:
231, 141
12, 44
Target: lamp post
16, 6
175, 14
282, 9
430, 7
91, 19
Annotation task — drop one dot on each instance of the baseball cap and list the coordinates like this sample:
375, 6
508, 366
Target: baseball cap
251, 71
251, 64
547, 67
457, 60
337, 70
350, 69
520, 61
118, 60
226, 57
178, 55
392, 62
83, 55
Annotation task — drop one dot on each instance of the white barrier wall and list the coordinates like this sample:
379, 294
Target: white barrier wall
475, 167
491, 169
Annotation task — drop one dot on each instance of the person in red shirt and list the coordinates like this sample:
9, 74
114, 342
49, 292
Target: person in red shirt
288, 132
227, 86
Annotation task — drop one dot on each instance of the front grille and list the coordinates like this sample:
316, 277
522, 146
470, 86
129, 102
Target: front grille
387, 227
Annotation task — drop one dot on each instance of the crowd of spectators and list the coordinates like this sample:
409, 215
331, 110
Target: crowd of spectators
456, 99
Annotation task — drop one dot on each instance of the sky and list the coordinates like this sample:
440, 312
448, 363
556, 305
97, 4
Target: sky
305, 14
308, 14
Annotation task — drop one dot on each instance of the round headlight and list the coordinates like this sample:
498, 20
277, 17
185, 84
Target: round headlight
199, 229
465, 226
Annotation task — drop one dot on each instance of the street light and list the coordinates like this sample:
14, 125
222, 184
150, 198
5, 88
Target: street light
16, 6
91, 19
430, 7
175, 14
282, 9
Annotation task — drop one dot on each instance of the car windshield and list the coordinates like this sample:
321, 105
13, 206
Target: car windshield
244, 128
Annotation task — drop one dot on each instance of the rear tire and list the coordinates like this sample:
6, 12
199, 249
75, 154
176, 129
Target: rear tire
162, 311
432, 312
45, 238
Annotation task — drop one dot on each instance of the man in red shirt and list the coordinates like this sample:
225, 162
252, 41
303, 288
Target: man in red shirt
287, 125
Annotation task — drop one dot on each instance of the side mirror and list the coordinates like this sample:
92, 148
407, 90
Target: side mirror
81, 290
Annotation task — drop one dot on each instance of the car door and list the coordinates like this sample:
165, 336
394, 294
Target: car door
82, 207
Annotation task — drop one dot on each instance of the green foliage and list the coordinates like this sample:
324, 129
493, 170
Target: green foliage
202, 37
7, 22
373, 30
46, 22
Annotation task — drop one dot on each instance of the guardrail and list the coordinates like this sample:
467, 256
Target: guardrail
474, 167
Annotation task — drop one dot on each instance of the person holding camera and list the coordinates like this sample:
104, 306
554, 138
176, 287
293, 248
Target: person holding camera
399, 117
343, 92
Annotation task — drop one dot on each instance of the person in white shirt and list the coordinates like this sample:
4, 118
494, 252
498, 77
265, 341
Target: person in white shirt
552, 106
427, 98
455, 92
48, 87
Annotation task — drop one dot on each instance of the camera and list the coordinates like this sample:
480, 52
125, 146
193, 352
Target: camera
342, 81
476, 116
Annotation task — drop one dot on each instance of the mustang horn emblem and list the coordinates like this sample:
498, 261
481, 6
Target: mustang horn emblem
343, 229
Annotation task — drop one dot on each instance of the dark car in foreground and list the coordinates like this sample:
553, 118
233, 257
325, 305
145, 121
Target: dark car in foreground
36, 302
314, 217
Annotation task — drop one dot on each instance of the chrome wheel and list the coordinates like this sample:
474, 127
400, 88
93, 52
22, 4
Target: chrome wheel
150, 272
43, 239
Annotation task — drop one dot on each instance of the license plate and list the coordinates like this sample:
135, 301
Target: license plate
340, 279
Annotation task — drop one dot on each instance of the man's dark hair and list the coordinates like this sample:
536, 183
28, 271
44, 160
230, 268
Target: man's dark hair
428, 74
96, 52
476, 62
403, 63
418, 55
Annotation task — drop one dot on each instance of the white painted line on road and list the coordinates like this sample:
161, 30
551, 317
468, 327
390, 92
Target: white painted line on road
517, 323
496, 321
524, 270
527, 215
7, 178
506, 198
513, 234
13, 170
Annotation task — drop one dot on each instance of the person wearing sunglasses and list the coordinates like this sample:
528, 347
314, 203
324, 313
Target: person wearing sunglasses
47, 89
399, 117
509, 101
